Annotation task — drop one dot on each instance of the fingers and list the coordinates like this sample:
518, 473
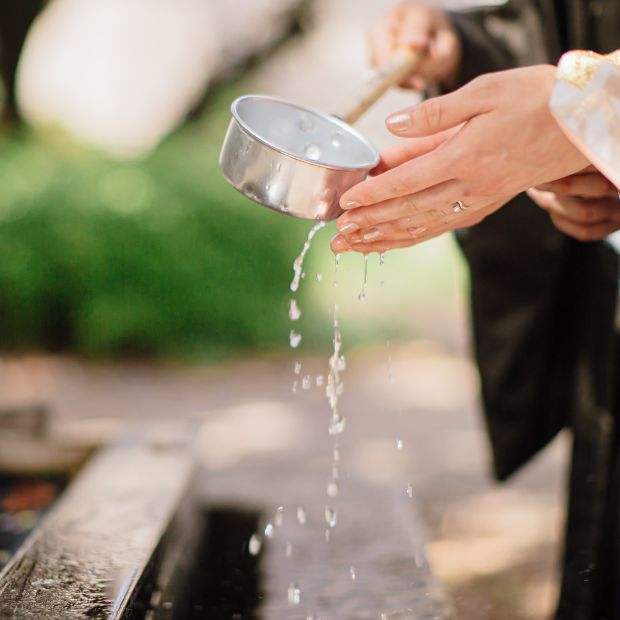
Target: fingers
579, 211
403, 233
439, 200
584, 232
340, 244
398, 154
589, 185
382, 38
437, 114
411, 177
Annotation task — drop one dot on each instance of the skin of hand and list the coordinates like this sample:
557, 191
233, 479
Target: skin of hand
481, 145
420, 27
585, 206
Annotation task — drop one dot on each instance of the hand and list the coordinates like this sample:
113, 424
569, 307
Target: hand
420, 27
482, 145
584, 206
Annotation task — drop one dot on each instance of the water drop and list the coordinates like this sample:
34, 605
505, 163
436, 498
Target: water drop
336, 424
353, 574
319, 277
399, 444
336, 138
331, 516
306, 383
305, 123
327, 535
294, 594
332, 488
294, 339
301, 516
319, 380
294, 313
336, 454
410, 491
288, 552
279, 518
362, 295
297, 368
341, 364
255, 544
295, 387
313, 152
269, 530
382, 259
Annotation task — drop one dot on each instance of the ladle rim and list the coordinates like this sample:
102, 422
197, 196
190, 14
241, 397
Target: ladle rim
331, 119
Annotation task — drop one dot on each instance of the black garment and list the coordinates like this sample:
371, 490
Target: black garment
543, 310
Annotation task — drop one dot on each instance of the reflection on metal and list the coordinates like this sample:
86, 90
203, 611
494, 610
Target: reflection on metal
126, 520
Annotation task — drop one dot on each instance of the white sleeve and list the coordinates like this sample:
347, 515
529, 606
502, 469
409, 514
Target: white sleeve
586, 103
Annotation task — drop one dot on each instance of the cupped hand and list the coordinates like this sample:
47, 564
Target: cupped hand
472, 151
584, 206
419, 27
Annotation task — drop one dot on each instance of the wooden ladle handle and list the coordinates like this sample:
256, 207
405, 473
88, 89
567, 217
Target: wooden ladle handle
398, 68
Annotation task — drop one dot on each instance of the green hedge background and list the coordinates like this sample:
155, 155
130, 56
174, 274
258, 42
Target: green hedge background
156, 258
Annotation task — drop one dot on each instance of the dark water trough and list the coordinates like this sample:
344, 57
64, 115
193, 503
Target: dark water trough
141, 533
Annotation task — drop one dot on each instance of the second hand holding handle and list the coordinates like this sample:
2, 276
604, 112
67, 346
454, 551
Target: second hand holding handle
398, 68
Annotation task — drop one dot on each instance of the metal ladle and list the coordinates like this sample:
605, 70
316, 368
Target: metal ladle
299, 161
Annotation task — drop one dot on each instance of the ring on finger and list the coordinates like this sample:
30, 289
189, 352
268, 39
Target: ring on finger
459, 207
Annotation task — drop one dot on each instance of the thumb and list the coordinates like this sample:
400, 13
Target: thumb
435, 115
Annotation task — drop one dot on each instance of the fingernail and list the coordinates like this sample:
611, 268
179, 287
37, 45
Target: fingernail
349, 228
339, 244
372, 235
350, 204
399, 123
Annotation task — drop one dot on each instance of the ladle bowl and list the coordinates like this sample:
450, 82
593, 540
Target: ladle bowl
292, 159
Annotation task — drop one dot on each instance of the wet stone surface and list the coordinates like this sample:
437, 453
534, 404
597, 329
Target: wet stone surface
373, 563
87, 556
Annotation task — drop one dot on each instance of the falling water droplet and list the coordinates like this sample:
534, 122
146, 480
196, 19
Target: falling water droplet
294, 313
319, 380
295, 387
288, 552
294, 339
362, 295
279, 518
399, 444
313, 152
301, 516
336, 454
327, 535
297, 368
353, 574
336, 139
294, 594
255, 544
331, 516
410, 491
269, 530
337, 424
332, 488
306, 383
382, 259
319, 277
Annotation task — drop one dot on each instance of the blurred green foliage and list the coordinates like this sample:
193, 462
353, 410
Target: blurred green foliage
157, 258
